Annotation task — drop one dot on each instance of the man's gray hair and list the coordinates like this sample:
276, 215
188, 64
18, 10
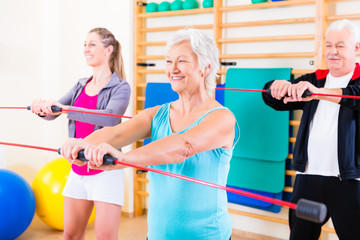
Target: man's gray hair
345, 24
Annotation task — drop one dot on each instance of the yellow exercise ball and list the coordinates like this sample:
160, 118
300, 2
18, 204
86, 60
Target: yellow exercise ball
48, 185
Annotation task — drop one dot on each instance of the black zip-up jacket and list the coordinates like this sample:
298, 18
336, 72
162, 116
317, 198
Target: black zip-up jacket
348, 126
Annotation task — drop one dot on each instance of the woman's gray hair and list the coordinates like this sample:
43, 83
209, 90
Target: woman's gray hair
205, 49
345, 24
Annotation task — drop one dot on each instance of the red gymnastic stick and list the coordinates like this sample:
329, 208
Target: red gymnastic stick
305, 209
306, 94
13, 107
59, 109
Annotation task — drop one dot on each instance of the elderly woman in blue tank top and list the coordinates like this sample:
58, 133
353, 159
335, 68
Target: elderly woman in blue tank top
193, 136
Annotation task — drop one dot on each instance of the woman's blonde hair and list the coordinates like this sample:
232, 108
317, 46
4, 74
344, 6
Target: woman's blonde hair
116, 60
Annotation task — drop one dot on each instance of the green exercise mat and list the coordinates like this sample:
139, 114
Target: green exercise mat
256, 174
259, 157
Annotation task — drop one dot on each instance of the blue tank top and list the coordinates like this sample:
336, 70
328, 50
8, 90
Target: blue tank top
180, 209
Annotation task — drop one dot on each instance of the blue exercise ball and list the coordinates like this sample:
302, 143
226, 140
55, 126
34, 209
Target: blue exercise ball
17, 204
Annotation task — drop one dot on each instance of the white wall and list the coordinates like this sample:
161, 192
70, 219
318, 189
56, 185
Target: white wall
41, 48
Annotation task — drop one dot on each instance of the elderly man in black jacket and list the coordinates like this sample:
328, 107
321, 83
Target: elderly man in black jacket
327, 149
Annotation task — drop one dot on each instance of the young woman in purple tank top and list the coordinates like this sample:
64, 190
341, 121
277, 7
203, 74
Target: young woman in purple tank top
105, 91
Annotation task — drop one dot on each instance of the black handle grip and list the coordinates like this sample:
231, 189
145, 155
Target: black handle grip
55, 109
145, 64
228, 63
311, 211
307, 93
107, 159
141, 3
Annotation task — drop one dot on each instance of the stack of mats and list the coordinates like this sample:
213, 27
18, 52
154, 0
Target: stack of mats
258, 163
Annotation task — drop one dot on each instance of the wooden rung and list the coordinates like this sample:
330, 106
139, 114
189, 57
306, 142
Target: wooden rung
268, 22
164, 29
151, 57
293, 72
271, 219
266, 5
143, 180
258, 216
175, 13
222, 71
292, 139
141, 85
141, 193
301, 71
161, 71
152, 71
294, 123
159, 43
268, 55
140, 98
288, 189
290, 156
340, 17
290, 172
267, 38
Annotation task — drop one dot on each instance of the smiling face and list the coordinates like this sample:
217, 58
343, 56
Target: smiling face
182, 68
95, 52
340, 52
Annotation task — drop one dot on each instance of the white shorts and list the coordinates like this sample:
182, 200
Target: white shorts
107, 186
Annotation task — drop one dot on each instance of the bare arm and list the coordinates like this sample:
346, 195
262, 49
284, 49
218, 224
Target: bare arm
42, 107
139, 127
217, 130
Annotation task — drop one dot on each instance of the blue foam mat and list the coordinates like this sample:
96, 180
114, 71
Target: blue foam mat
255, 203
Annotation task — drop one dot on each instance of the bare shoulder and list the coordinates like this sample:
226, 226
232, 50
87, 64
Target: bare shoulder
148, 113
222, 116
224, 111
220, 125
